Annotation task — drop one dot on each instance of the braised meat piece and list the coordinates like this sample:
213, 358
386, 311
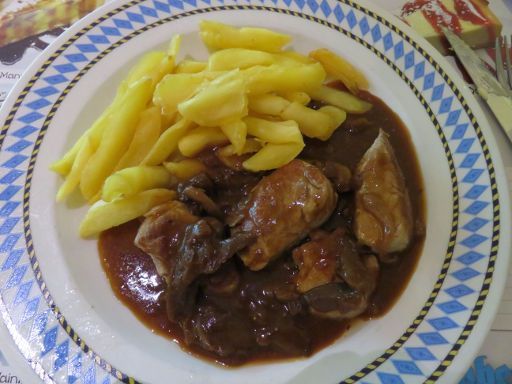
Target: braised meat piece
383, 216
219, 330
316, 261
184, 247
282, 209
202, 251
155, 235
195, 190
336, 279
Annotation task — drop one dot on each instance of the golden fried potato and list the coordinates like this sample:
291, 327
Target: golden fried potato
190, 66
147, 66
116, 138
65, 163
236, 132
145, 136
299, 97
167, 142
284, 78
174, 89
130, 181
200, 138
219, 102
93, 134
73, 178
340, 69
340, 99
312, 123
273, 156
249, 98
174, 46
268, 104
102, 216
185, 169
292, 57
338, 116
277, 132
233, 58
250, 146
221, 36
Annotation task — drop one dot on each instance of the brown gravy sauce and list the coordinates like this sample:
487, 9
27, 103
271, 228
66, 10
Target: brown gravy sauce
134, 280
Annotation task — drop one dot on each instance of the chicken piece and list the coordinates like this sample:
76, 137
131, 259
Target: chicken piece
161, 232
336, 281
316, 260
335, 301
282, 209
383, 217
184, 247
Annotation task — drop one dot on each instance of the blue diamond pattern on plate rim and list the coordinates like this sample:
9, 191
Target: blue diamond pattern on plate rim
413, 360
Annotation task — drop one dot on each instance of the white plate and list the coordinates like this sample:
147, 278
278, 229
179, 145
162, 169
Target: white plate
56, 300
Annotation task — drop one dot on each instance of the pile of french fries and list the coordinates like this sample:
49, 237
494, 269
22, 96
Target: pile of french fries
249, 99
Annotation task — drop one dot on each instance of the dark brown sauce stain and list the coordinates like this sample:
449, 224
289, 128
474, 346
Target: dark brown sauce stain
135, 282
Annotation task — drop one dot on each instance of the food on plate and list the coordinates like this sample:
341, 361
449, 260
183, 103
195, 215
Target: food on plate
297, 193
382, 217
472, 20
252, 205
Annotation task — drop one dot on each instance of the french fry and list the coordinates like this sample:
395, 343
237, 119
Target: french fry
277, 132
73, 178
174, 46
312, 123
220, 102
338, 116
127, 157
147, 66
94, 133
273, 156
167, 143
233, 159
340, 99
185, 169
298, 96
284, 78
288, 57
200, 138
130, 181
175, 88
340, 69
65, 163
190, 66
153, 65
236, 132
250, 146
220, 36
116, 138
145, 136
268, 104
102, 216
233, 58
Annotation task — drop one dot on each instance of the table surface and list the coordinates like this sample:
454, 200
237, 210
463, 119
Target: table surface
498, 344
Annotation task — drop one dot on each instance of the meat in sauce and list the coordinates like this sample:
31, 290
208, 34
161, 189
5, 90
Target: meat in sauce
282, 209
250, 267
383, 218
